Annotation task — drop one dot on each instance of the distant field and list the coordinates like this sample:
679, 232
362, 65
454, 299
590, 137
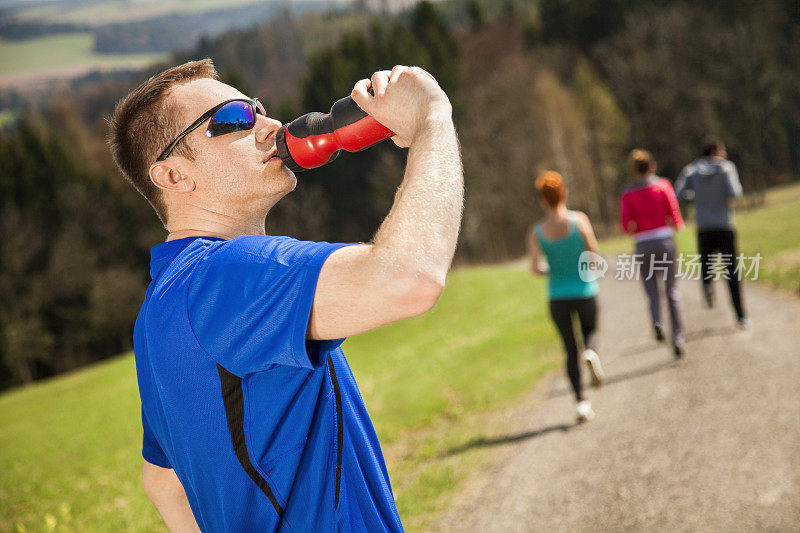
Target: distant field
70, 447
28, 62
57, 51
99, 13
110, 12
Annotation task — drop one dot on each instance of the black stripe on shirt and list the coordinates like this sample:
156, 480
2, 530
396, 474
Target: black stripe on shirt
233, 398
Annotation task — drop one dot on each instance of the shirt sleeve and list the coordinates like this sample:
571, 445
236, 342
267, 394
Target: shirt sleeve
625, 213
734, 185
684, 184
673, 208
250, 300
151, 449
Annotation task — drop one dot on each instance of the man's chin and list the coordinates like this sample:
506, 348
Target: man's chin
292, 182
282, 182
282, 178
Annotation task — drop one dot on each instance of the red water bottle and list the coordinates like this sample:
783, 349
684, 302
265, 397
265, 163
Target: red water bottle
316, 138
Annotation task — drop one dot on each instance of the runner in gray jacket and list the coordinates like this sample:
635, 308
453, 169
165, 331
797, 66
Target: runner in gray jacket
710, 182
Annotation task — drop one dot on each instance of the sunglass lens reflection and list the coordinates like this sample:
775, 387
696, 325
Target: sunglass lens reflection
235, 116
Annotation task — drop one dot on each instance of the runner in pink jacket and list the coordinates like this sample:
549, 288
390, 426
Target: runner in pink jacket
649, 208
649, 211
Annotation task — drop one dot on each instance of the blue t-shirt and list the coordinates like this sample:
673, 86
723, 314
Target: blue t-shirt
266, 430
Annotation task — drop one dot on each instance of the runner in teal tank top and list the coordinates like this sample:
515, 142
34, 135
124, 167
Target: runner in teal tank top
563, 255
562, 236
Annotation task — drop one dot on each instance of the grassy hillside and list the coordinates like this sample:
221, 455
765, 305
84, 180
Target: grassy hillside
774, 232
68, 454
69, 447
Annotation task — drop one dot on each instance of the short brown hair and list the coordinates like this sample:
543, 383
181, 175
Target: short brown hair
711, 146
641, 161
145, 122
550, 186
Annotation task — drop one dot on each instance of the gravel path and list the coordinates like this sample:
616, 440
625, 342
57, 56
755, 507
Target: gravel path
709, 443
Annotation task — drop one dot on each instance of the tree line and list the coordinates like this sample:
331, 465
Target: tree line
567, 85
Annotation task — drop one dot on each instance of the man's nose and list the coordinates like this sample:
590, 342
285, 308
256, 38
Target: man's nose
266, 127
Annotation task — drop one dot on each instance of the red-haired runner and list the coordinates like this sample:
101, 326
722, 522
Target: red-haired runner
563, 236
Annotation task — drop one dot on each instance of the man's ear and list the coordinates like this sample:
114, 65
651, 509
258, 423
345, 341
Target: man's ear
170, 178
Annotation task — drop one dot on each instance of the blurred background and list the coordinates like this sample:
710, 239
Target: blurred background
568, 85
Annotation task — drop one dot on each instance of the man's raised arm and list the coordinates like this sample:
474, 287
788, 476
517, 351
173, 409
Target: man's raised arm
402, 273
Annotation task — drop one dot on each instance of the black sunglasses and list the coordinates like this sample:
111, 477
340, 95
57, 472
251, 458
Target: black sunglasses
238, 114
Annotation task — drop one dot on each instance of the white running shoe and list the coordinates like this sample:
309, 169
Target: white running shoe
595, 368
584, 411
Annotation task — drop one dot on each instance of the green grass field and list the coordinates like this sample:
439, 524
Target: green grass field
69, 447
774, 232
63, 50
